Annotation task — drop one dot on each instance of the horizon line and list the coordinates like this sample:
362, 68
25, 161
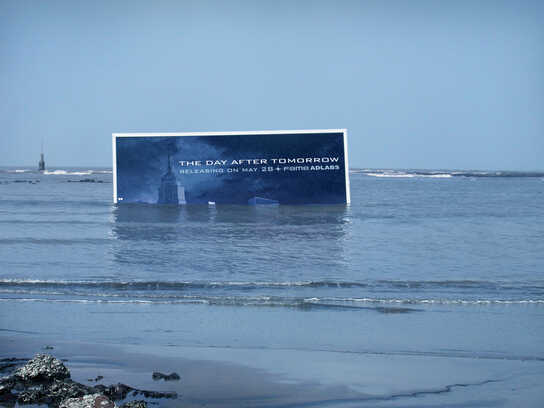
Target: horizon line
89, 167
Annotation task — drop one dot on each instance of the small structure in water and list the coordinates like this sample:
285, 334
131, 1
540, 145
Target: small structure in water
41, 164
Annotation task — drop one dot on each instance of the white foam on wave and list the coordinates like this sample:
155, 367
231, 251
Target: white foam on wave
256, 283
264, 300
409, 175
392, 175
60, 282
437, 175
67, 173
86, 301
19, 171
30, 292
446, 301
165, 283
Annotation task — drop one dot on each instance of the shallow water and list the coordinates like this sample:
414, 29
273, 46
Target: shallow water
422, 265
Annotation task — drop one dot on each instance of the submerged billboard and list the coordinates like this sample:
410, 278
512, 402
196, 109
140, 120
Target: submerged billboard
252, 168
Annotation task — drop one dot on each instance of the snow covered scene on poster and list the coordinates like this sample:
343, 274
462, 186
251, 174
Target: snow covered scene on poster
251, 168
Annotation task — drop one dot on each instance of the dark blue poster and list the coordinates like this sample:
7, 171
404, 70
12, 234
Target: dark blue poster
255, 168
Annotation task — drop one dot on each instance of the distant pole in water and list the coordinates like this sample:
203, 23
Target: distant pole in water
41, 164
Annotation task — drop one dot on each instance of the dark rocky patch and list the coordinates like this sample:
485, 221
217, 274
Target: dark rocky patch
166, 377
46, 380
26, 181
7, 364
61, 390
121, 391
6, 385
87, 180
43, 367
88, 401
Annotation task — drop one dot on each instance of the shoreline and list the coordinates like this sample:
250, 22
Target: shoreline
210, 383
227, 378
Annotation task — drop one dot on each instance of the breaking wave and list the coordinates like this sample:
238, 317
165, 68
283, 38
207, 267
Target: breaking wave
154, 285
66, 172
385, 296
408, 175
377, 304
390, 173
57, 172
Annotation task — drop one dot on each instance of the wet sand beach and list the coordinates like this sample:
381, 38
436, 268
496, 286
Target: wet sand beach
230, 377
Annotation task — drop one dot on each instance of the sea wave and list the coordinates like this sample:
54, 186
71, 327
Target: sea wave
382, 305
305, 294
449, 301
18, 171
173, 285
408, 173
67, 173
267, 299
58, 172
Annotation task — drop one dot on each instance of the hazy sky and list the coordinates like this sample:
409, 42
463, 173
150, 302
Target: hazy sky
419, 84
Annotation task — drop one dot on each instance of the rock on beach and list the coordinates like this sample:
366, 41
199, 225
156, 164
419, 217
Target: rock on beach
88, 401
165, 377
43, 367
45, 380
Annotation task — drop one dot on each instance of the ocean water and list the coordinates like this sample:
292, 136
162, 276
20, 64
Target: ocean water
434, 266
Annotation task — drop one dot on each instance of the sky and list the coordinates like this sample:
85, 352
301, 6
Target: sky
418, 84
